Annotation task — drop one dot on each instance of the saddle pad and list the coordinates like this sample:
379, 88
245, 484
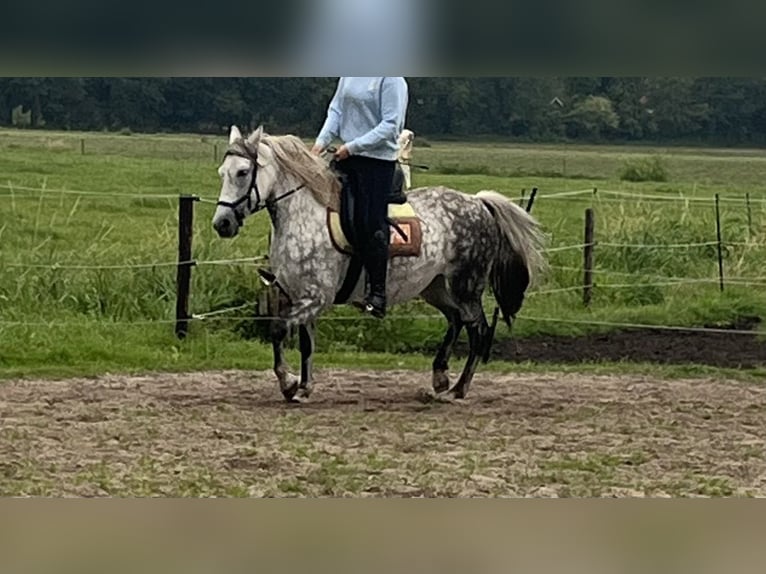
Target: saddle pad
402, 214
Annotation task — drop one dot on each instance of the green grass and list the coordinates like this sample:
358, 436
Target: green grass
91, 349
110, 316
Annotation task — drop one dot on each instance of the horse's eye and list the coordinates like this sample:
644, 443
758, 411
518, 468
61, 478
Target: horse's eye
242, 173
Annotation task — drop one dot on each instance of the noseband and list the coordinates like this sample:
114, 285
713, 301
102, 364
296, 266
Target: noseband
242, 149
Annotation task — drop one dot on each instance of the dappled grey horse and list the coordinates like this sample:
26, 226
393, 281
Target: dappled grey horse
467, 241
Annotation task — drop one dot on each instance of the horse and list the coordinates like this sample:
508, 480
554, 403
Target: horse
466, 242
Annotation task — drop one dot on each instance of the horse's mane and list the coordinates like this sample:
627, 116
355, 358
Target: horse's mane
294, 157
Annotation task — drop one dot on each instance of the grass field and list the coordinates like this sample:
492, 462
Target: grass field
57, 320
101, 399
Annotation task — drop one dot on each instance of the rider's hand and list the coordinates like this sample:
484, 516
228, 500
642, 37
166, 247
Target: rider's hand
317, 149
342, 152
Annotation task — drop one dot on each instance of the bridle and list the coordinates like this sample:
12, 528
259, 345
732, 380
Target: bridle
242, 151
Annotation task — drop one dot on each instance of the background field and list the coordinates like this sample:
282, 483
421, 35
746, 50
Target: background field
59, 319
88, 227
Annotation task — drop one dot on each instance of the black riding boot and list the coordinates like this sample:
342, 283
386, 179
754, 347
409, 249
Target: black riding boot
376, 262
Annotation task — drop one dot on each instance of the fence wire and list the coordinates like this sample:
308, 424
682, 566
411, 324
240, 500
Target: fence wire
210, 317
595, 196
12, 188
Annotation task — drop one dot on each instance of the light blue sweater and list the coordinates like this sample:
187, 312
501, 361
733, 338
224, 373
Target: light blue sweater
367, 114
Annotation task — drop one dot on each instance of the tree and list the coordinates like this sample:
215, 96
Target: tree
715, 110
28, 93
629, 96
676, 107
591, 118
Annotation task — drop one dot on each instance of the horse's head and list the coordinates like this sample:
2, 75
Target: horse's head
247, 178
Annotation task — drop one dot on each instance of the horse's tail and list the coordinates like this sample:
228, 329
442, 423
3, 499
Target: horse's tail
520, 258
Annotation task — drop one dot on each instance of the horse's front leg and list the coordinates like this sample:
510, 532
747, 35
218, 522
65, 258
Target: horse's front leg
306, 342
288, 383
302, 313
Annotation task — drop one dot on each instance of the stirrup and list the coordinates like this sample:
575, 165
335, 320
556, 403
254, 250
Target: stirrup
370, 307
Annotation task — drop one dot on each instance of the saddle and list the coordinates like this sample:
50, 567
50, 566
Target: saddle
406, 233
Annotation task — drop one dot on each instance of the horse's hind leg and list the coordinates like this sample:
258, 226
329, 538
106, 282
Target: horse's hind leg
477, 327
436, 294
441, 361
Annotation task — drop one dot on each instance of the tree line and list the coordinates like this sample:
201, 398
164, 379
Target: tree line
725, 111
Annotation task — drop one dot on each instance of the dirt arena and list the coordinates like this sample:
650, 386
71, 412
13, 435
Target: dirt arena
380, 434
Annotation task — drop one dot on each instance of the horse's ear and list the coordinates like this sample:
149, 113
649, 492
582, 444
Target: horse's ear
255, 137
234, 135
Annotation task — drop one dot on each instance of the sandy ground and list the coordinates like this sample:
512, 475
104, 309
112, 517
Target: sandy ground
377, 434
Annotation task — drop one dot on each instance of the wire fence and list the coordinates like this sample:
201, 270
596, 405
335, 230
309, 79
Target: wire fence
13, 188
14, 191
255, 260
743, 280
222, 315
261, 259
591, 194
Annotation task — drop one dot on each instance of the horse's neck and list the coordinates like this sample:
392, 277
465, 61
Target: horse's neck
298, 205
296, 221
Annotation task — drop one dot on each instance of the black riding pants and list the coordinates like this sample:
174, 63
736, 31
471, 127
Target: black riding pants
370, 181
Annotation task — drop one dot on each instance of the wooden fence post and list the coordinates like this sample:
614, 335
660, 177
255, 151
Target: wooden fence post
185, 262
749, 217
590, 224
719, 244
531, 200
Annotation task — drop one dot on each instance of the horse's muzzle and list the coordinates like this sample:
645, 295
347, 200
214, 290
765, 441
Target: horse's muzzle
226, 226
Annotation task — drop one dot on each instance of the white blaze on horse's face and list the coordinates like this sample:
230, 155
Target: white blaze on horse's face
236, 180
240, 189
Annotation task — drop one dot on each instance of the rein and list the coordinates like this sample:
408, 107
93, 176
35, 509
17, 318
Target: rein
233, 205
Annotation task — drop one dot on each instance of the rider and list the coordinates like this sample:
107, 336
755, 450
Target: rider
367, 115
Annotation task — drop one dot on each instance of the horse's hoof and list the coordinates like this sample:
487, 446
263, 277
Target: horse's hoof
440, 381
426, 396
456, 393
445, 398
304, 392
289, 387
